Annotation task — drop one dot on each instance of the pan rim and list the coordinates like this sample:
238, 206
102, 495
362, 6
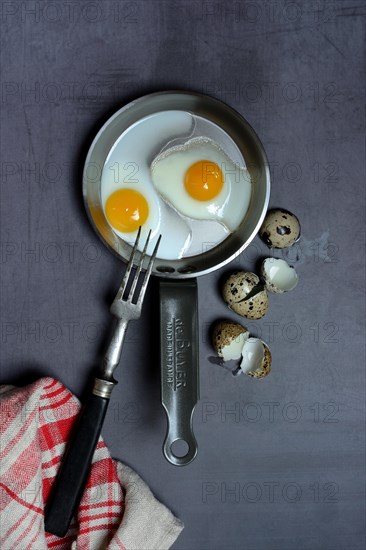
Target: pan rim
224, 107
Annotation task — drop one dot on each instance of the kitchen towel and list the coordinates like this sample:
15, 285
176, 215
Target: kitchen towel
117, 509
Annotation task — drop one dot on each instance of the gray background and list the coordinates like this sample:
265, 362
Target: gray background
292, 452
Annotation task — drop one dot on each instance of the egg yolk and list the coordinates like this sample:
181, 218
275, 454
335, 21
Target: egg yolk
126, 210
204, 180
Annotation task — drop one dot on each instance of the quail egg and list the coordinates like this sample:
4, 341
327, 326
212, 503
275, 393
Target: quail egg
280, 229
236, 289
278, 275
233, 341
228, 339
256, 358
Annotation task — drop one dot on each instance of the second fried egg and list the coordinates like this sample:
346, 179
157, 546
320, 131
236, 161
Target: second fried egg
201, 182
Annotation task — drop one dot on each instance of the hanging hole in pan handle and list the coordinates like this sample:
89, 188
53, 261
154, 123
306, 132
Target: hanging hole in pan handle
179, 451
179, 448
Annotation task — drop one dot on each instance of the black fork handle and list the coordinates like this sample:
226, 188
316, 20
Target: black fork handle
70, 482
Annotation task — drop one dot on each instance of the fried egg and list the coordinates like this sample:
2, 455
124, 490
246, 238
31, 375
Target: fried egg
128, 195
201, 182
127, 208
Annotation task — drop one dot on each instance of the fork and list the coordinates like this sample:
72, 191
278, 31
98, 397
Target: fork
71, 480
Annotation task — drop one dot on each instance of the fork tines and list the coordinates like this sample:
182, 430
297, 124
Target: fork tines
131, 264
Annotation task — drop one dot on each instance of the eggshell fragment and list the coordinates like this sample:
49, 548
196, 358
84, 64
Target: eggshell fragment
257, 359
278, 275
228, 339
280, 229
235, 290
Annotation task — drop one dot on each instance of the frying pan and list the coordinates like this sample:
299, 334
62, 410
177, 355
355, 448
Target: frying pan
177, 285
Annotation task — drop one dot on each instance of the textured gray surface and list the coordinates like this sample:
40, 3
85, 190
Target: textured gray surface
292, 452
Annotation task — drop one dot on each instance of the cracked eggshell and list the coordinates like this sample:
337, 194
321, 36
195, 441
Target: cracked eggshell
256, 361
237, 287
280, 229
278, 275
228, 339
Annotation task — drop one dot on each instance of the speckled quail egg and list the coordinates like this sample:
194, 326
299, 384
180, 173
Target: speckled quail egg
256, 358
236, 289
280, 229
233, 341
278, 275
228, 339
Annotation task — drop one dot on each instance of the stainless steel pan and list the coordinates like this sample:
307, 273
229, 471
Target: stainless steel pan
178, 294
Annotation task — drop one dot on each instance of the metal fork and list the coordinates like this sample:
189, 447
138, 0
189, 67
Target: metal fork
71, 480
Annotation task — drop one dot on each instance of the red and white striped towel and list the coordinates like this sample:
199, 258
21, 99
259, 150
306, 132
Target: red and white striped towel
117, 510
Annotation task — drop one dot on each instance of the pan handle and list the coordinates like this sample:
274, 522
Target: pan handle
179, 367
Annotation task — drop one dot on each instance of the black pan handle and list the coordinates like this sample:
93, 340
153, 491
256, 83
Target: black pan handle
70, 482
179, 367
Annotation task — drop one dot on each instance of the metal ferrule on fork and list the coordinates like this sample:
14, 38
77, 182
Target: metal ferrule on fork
103, 388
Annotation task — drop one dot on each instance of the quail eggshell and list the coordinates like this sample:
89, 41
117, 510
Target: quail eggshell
278, 275
280, 229
228, 339
253, 364
235, 290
